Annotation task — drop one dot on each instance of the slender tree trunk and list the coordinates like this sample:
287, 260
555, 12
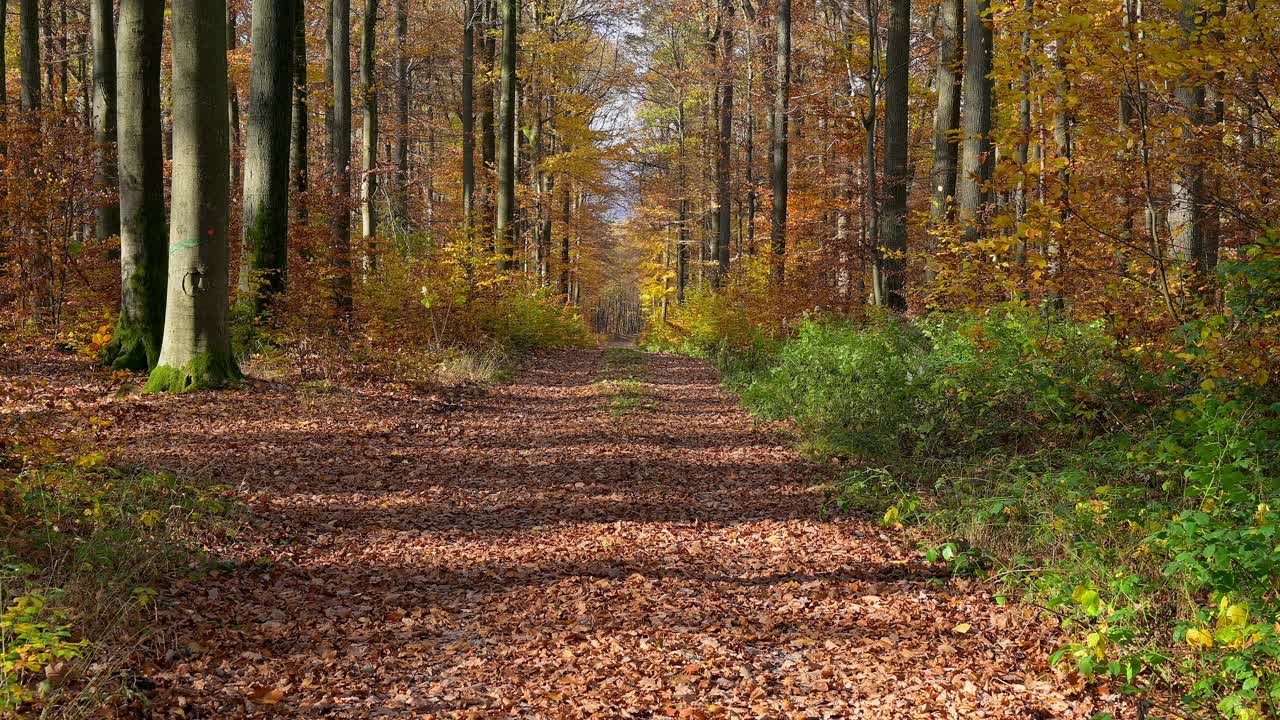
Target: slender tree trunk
29, 27
340, 144
4, 64
753, 198
507, 138
946, 119
402, 113
299, 133
102, 26
1188, 216
871, 200
972, 186
724, 193
196, 351
144, 256
781, 165
369, 138
468, 115
233, 100
488, 132
264, 265
1063, 139
893, 245
566, 210
46, 26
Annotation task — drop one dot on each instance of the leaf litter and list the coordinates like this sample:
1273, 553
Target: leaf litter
519, 553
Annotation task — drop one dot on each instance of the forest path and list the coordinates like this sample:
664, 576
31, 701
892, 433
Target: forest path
537, 552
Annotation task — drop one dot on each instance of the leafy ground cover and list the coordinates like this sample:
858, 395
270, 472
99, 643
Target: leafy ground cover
515, 552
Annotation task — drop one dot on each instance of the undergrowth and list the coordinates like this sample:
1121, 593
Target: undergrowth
1131, 488
85, 549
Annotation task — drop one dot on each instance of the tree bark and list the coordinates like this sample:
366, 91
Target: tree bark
972, 191
102, 27
781, 165
893, 239
144, 257
196, 351
507, 138
340, 144
369, 138
264, 264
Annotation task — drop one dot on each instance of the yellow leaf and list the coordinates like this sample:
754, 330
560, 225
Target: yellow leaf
1199, 639
891, 516
962, 628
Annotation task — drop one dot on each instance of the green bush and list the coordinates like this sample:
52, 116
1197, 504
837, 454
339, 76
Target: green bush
530, 320
942, 387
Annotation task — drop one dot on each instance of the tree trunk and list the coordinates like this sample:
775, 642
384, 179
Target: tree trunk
871, 199
1188, 213
4, 65
264, 264
468, 115
893, 240
1063, 139
566, 210
233, 102
298, 152
946, 120
29, 27
507, 138
144, 256
402, 113
972, 191
369, 138
102, 26
724, 197
196, 351
340, 144
781, 107
489, 136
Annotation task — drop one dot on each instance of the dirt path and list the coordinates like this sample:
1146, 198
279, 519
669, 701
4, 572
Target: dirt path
528, 553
